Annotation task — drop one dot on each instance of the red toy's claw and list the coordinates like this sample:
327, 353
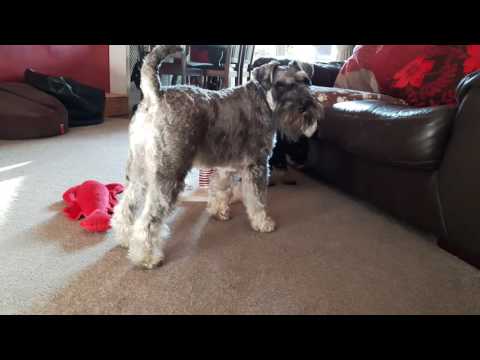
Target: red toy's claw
73, 211
112, 201
69, 195
96, 222
115, 188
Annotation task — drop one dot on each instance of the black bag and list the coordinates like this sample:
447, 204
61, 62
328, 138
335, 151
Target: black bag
85, 104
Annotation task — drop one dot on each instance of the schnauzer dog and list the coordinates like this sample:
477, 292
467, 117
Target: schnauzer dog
233, 130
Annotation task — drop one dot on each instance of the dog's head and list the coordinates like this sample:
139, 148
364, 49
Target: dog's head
294, 108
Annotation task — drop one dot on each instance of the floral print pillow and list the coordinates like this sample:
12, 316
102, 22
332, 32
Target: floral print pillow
422, 75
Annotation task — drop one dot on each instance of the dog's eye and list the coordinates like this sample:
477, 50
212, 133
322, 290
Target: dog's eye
305, 107
284, 86
307, 81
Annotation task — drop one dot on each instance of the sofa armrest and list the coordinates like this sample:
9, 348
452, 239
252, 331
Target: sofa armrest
459, 176
468, 82
397, 135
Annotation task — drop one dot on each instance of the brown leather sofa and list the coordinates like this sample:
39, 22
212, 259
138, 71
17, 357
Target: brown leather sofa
421, 165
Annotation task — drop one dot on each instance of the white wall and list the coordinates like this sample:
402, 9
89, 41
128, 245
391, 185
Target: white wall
118, 69
308, 53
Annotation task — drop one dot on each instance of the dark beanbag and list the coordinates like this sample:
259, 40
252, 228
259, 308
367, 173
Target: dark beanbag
28, 113
84, 104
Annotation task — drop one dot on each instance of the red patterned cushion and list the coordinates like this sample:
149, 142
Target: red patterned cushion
422, 75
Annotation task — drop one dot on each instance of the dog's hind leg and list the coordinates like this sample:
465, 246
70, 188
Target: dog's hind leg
254, 189
125, 212
220, 193
165, 175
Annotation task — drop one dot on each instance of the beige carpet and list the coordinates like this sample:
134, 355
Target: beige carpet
330, 254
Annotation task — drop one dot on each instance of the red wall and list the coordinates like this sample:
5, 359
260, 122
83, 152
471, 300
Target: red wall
85, 63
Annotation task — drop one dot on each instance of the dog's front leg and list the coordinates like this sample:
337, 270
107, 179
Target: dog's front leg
220, 193
254, 189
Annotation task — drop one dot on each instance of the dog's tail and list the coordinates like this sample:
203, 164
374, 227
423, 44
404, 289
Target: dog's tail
150, 84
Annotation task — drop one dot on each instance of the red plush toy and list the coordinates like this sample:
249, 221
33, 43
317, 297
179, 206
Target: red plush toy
94, 201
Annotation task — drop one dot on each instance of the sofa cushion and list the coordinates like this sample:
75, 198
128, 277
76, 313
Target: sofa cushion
392, 134
422, 75
329, 96
324, 74
27, 113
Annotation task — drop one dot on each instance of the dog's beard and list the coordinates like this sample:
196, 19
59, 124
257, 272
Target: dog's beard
310, 130
294, 125
290, 125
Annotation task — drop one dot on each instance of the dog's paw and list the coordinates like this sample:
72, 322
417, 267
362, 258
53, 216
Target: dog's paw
154, 261
265, 224
144, 254
123, 243
145, 259
122, 239
221, 213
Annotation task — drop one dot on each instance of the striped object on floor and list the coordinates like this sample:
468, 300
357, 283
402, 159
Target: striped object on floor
204, 177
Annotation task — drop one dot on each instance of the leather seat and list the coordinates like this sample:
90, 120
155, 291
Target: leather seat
390, 134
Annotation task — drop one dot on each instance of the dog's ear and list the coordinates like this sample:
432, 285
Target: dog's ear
264, 74
302, 66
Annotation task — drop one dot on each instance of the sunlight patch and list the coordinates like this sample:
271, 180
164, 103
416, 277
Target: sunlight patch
9, 190
6, 168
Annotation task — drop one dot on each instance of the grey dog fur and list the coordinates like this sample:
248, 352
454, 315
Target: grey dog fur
233, 130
